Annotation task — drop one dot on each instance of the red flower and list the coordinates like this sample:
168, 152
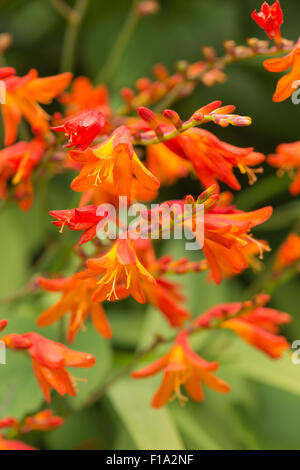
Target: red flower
270, 18
257, 325
84, 218
182, 367
3, 324
50, 360
77, 300
82, 129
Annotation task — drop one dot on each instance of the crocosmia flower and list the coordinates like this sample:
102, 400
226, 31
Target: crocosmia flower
84, 97
119, 269
257, 325
10, 444
227, 239
182, 367
211, 158
115, 157
76, 299
49, 360
23, 95
42, 421
269, 18
82, 130
288, 253
287, 158
289, 83
17, 163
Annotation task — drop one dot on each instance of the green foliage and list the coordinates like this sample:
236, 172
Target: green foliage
262, 410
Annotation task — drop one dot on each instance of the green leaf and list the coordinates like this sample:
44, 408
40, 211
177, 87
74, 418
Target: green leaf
251, 363
91, 342
19, 391
149, 428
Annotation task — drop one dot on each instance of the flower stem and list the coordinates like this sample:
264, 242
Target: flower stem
71, 35
120, 45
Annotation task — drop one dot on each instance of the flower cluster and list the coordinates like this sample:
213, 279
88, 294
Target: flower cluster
131, 153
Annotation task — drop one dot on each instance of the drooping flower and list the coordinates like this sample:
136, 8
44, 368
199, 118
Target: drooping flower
84, 97
82, 129
49, 360
270, 18
287, 158
76, 299
256, 324
213, 159
182, 367
119, 269
289, 83
83, 218
116, 158
17, 163
288, 253
224, 233
23, 95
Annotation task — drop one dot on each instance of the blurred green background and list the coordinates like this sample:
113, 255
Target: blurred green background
263, 410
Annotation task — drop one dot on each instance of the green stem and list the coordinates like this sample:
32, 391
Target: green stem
120, 45
71, 36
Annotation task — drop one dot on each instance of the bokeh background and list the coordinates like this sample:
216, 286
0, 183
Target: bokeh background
263, 410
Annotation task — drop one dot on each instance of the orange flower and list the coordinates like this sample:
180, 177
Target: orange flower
77, 300
288, 253
107, 193
287, 158
114, 157
84, 97
23, 95
17, 162
166, 165
227, 239
182, 367
42, 421
121, 272
13, 445
228, 245
211, 158
257, 325
50, 360
287, 84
